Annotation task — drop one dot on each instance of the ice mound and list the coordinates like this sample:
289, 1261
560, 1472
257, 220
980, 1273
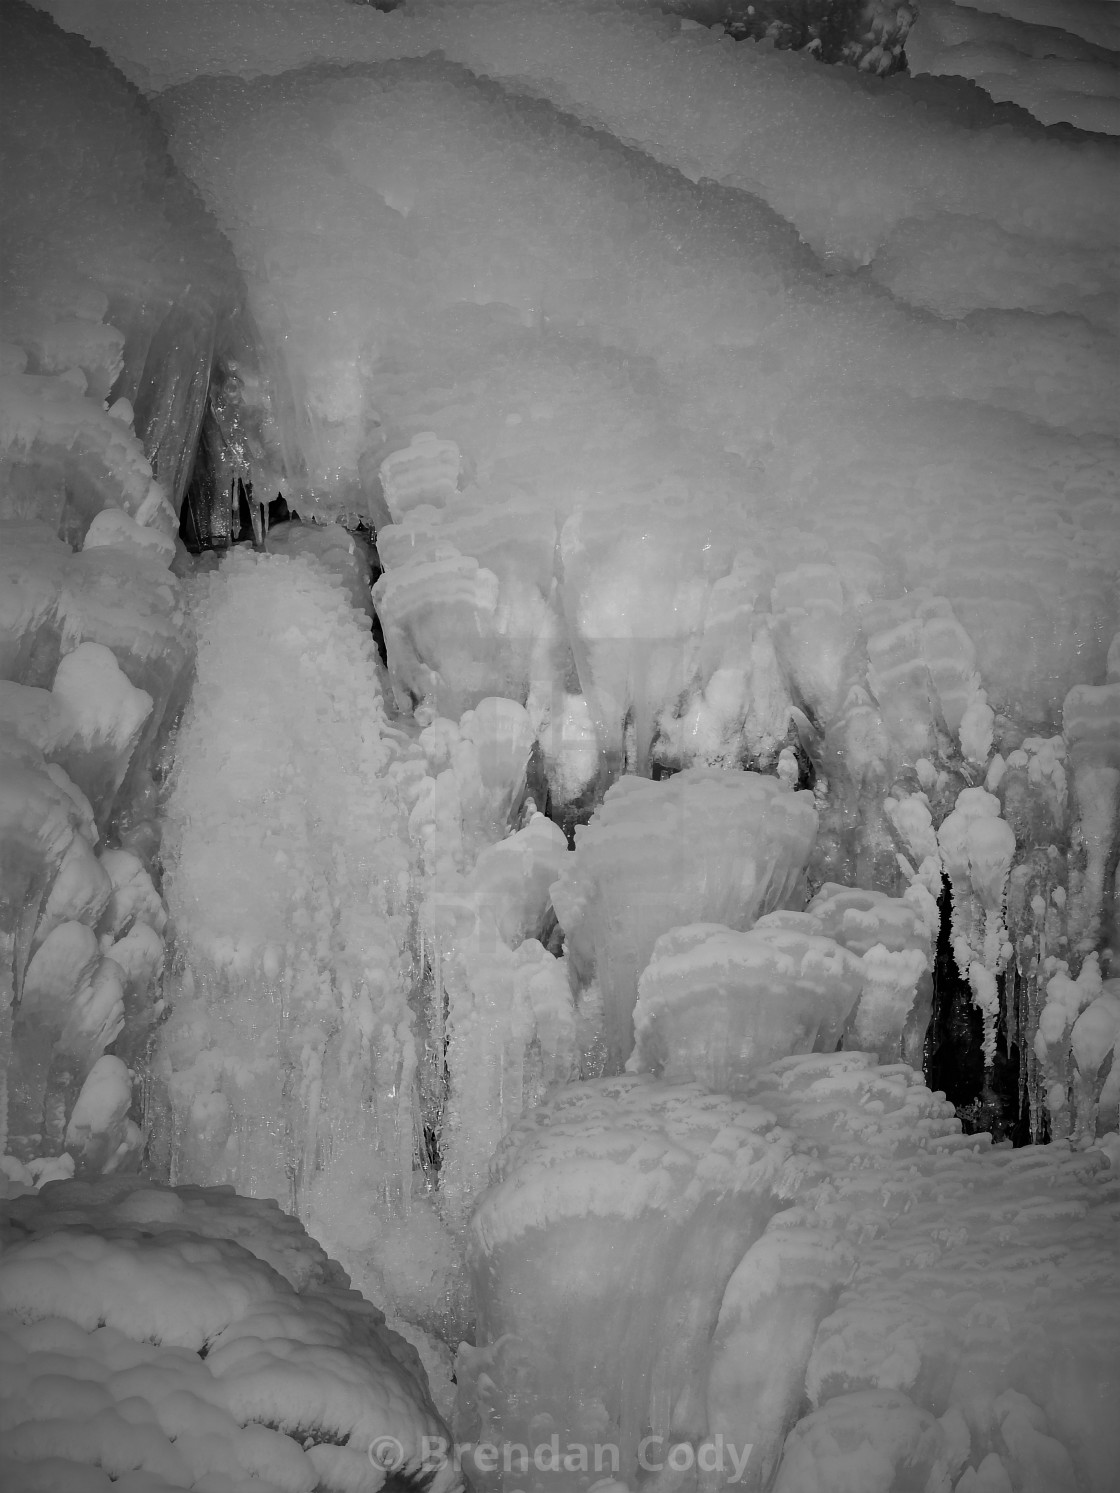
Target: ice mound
172, 1336
714, 1004
633, 1200
347, 555
1057, 61
703, 845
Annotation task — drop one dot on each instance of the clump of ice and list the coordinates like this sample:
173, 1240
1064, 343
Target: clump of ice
714, 1004
701, 846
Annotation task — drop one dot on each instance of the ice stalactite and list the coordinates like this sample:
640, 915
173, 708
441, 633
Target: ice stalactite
977, 847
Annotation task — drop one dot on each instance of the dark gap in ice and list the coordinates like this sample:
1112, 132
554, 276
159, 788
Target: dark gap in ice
280, 513
306, 1436
954, 1044
986, 1097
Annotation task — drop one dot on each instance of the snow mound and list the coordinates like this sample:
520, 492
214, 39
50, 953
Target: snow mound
167, 1336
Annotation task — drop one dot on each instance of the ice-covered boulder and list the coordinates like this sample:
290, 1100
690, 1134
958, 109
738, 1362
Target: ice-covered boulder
162, 1337
702, 846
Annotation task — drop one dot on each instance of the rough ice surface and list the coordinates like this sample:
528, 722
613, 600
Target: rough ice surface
716, 411
177, 1338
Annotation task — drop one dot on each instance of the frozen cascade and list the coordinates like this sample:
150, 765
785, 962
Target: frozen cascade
289, 1059
659, 496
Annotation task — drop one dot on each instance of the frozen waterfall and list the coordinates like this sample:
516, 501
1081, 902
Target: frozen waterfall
559, 700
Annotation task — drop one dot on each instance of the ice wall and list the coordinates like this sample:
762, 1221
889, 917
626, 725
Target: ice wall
591, 319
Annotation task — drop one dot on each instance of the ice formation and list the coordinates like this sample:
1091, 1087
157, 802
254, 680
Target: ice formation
611, 1185
702, 846
181, 1338
739, 438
